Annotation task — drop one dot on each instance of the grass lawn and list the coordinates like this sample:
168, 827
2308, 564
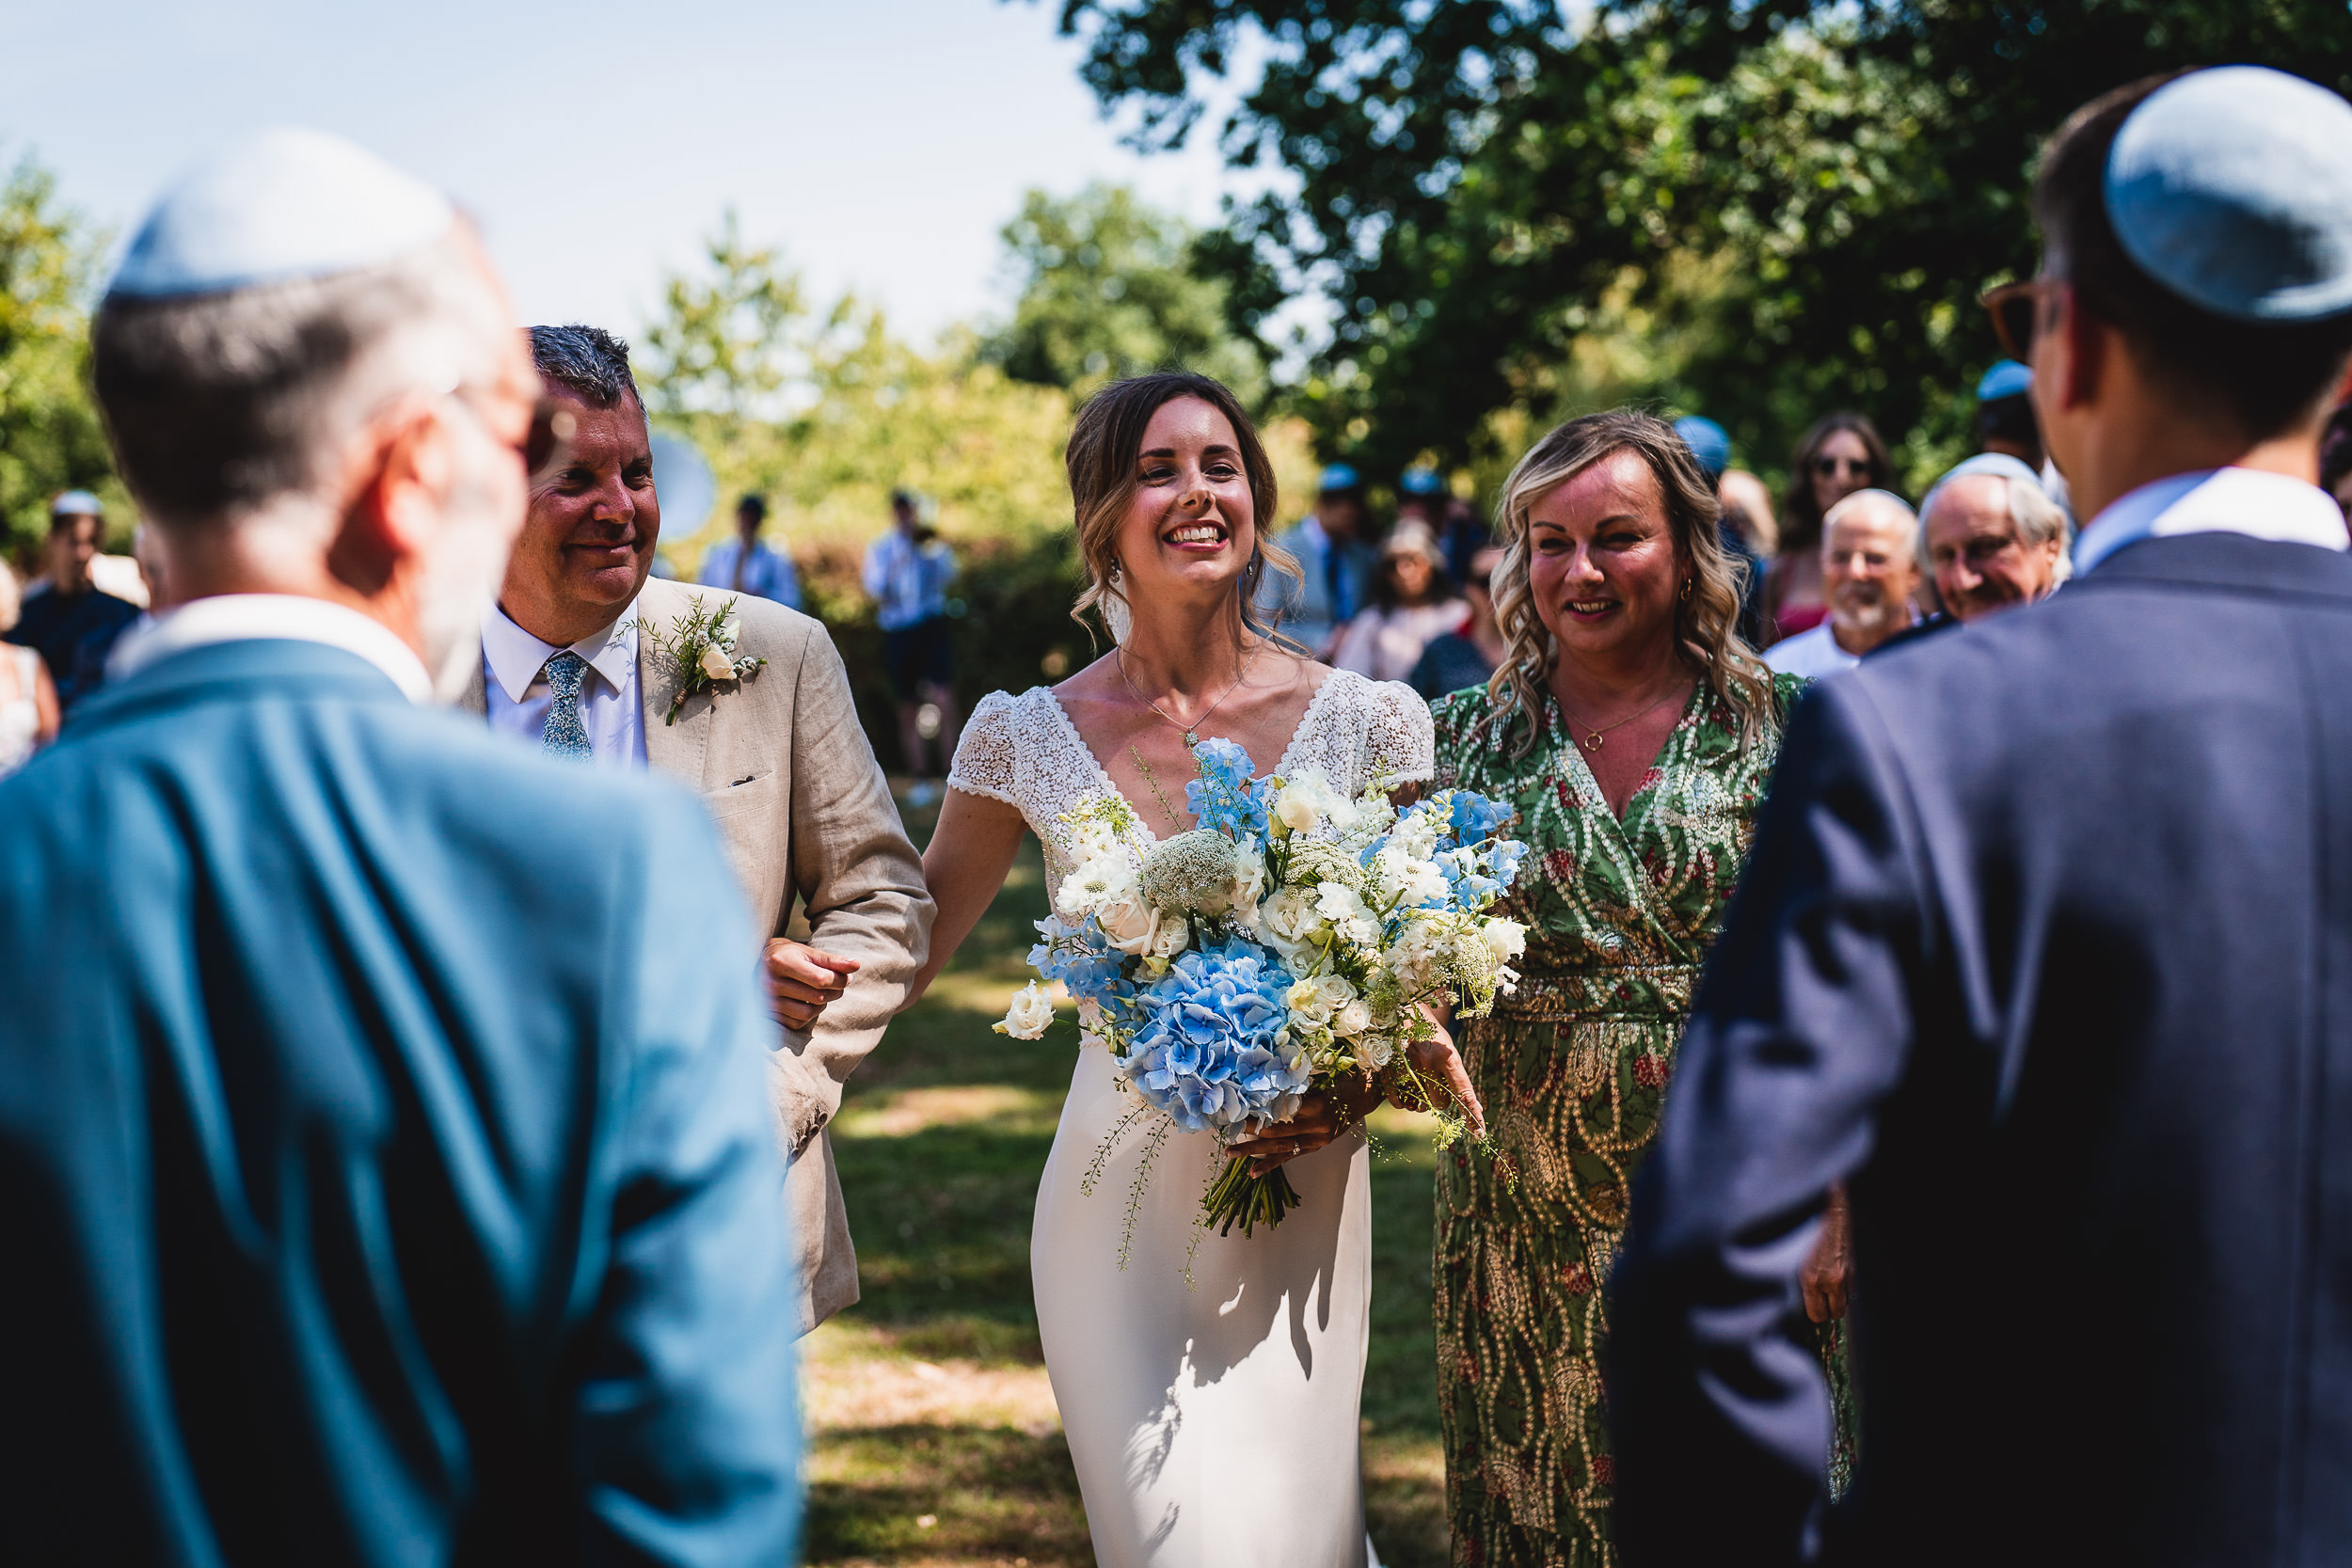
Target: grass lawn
933, 1437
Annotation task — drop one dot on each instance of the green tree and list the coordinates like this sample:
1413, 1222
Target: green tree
1799, 199
1110, 287
51, 437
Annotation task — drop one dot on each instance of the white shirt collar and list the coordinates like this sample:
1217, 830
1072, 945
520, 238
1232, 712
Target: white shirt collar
2251, 501
247, 617
516, 658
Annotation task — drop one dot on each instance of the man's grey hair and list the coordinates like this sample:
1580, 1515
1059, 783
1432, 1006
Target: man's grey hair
1873, 500
220, 405
2037, 517
587, 361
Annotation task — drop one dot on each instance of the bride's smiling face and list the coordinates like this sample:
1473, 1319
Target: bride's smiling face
1189, 525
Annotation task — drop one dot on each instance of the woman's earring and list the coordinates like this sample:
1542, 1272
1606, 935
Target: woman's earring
1685, 595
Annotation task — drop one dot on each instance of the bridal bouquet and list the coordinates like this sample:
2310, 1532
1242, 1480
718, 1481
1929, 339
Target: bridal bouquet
1283, 946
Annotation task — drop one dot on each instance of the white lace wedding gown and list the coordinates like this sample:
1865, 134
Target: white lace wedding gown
1216, 1425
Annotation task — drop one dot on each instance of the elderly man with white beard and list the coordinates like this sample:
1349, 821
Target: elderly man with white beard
1869, 573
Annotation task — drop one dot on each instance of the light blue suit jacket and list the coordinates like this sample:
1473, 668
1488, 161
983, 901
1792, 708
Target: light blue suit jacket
386, 1174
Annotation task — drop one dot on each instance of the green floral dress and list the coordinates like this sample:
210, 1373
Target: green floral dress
1572, 1070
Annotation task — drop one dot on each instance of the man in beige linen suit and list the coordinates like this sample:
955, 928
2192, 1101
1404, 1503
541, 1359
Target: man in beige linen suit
778, 758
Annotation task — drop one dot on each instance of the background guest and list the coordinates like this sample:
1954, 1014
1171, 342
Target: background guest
1747, 503
29, 707
1412, 601
68, 620
2005, 418
1469, 654
1840, 454
1636, 734
906, 574
1711, 444
1870, 569
1991, 538
746, 565
388, 1173
1335, 564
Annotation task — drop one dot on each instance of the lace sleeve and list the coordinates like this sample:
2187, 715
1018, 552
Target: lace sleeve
987, 753
1398, 738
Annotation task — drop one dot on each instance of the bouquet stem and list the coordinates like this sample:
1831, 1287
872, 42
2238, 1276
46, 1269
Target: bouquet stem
1239, 1198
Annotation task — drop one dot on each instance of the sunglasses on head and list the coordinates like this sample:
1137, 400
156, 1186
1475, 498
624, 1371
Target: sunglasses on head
1828, 467
2015, 308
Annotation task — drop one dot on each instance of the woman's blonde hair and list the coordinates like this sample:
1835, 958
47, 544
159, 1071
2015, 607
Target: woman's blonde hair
1105, 443
1706, 620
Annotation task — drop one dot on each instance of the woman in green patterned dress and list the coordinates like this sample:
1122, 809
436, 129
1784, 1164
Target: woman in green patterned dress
1637, 733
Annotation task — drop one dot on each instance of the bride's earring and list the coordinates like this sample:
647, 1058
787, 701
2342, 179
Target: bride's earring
1117, 618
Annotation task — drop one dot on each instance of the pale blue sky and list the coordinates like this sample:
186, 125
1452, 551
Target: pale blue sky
881, 143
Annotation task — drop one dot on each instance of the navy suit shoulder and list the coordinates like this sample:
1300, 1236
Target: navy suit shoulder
2045, 949
385, 1116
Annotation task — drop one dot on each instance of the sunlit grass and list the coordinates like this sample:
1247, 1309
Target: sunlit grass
933, 1438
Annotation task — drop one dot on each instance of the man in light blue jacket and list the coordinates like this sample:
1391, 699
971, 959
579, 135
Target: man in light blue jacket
388, 1169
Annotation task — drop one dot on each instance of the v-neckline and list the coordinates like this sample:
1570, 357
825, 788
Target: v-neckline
1111, 786
1691, 708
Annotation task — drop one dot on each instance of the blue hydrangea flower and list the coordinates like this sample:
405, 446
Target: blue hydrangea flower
1207, 1053
1090, 969
1225, 797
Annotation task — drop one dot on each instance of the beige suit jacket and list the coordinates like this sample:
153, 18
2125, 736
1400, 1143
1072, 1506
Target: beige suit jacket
802, 808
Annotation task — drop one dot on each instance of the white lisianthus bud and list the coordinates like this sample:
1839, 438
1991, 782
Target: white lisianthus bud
716, 664
1305, 1000
1029, 1014
1169, 937
1508, 939
1296, 808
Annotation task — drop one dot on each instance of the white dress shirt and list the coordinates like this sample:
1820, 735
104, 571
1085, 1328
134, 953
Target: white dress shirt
244, 617
517, 695
1812, 653
2215, 501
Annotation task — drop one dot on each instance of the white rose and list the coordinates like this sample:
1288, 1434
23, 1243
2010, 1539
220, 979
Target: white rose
1290, 914
1128, 922
1336, 990
1295, 810
1171, 936
1029, 1014
716, 664
1508, 939
1353, 1019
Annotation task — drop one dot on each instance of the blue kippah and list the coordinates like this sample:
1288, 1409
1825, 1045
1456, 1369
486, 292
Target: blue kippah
2233, 188
280, 205
77, 503
2006, 379
1339, 476
1419, 482
1708, 443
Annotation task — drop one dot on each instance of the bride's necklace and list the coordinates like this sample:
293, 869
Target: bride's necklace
1596, 738
1191, 731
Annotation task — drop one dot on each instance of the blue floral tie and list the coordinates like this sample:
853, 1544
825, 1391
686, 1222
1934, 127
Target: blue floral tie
566, 735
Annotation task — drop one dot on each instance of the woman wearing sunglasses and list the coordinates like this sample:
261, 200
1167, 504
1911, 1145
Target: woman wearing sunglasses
1840, 454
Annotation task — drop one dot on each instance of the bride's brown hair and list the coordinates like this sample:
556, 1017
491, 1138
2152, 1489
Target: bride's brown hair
1105, 444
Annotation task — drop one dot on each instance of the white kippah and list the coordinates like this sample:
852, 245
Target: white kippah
280, 205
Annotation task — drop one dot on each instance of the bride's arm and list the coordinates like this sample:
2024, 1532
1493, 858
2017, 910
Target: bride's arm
971, 850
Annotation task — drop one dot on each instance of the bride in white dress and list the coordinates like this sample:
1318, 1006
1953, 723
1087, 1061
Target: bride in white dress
1213, 1424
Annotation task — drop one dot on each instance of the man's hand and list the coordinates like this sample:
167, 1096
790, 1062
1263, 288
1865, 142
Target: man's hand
802, 980
1825, 1274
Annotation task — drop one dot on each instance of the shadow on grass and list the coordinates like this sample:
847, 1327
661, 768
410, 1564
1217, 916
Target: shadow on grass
943, 1135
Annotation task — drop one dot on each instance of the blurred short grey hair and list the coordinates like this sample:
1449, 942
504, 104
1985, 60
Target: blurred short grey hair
1873, 500
2037, 518
587, 361
219, 405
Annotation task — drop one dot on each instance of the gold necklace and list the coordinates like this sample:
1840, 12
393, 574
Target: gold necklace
1191, 731
1596, 738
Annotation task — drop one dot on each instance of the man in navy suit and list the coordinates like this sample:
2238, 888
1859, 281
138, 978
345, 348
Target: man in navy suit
388, 1176
2045, 950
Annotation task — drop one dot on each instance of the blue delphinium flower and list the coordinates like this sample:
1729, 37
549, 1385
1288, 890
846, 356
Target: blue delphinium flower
1224, 797
1207, 1052
1475, 816
1087, 965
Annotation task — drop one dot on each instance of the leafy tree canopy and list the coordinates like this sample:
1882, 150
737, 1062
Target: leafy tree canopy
1759, 209
1110, 287
51, 437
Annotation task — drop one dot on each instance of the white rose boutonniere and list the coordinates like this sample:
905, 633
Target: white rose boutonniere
700, 650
